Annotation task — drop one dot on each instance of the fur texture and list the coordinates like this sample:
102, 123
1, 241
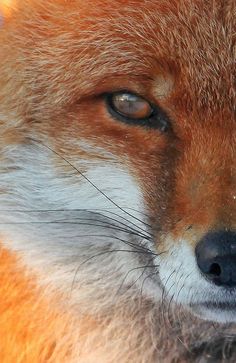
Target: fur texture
99, 219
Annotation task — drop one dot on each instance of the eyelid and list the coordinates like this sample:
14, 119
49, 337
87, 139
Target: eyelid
157, 120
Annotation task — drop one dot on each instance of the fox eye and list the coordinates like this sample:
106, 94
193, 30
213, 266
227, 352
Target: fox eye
133, 109
131, 106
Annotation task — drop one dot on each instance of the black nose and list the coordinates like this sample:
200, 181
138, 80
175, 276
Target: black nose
216, 257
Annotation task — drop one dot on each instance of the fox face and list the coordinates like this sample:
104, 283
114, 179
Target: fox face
118, 149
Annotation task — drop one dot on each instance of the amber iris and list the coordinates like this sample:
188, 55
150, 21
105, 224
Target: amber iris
131, 106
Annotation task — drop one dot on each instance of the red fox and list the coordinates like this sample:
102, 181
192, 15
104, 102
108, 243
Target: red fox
117, 181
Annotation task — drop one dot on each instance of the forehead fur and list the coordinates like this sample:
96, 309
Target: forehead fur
73, 46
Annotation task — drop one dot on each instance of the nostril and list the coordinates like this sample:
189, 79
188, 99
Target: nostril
215, 269
216, 257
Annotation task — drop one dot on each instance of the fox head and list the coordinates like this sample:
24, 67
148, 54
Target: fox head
118, 148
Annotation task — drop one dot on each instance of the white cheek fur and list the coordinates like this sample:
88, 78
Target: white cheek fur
59, 221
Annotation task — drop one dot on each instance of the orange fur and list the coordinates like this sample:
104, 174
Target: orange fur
29, 326
6, 7
34, 326
54, 67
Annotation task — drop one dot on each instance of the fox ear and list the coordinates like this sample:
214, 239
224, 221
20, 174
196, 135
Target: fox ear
6, 7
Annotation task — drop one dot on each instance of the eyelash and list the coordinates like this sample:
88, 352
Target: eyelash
158, 119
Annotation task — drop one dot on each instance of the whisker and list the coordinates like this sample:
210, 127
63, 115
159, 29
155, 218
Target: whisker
177, 296
164, 294
147, 234
168, 310
95, 186
146, 278
72, 223
128, 243
139, 247
138, 211
138, 233
171, 299
135, 269
129, 229
101, 254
